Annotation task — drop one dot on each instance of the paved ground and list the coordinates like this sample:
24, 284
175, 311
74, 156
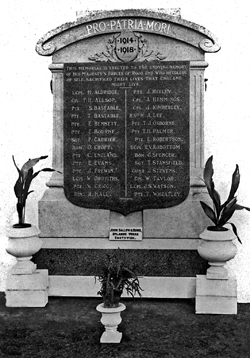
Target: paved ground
70, 327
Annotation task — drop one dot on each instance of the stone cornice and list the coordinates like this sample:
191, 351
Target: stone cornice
109, 22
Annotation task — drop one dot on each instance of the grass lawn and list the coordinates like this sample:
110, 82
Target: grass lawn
70, 327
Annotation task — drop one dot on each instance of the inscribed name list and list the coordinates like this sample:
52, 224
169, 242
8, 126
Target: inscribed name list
126, 134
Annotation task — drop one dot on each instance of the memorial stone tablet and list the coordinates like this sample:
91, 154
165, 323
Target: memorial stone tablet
128, 136
126, 131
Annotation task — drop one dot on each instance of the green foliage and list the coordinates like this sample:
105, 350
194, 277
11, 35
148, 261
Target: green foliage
220, 214
117, 274
25, 176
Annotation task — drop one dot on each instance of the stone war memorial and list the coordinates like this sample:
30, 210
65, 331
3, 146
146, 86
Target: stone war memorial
128, 136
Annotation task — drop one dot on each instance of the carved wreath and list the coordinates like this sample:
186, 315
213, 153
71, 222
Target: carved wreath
143, 53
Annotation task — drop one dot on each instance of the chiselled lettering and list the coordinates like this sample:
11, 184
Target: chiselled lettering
127, 131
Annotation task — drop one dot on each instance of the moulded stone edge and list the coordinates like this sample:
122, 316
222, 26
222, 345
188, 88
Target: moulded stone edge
46, 47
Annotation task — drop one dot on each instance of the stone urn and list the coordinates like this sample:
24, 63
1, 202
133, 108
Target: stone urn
22, 244
217, 248
111, 318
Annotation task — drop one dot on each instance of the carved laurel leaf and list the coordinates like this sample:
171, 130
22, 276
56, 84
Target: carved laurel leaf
102, 57
143, 53
109, 55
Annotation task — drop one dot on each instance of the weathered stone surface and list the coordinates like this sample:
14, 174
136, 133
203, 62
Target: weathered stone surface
59, 218
183, 221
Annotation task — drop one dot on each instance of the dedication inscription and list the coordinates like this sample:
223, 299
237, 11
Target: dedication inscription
126, 134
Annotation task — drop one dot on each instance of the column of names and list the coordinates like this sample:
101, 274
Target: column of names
126, 134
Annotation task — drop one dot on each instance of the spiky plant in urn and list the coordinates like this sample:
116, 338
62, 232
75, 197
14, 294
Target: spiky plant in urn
116, 274
23, 239
217, 246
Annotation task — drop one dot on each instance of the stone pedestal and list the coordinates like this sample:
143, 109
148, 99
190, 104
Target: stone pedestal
27, 290
215, 296
217, 248
111, 318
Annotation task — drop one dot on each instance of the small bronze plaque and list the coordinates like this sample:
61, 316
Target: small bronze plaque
126, 134
125, 234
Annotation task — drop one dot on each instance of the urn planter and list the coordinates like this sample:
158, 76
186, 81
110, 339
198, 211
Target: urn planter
22, 244
111, 318
217, 248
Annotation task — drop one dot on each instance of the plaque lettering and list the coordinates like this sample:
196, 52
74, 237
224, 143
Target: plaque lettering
126, 134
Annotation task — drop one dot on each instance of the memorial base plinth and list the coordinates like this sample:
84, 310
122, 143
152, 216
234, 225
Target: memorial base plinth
215, 296
27, 290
